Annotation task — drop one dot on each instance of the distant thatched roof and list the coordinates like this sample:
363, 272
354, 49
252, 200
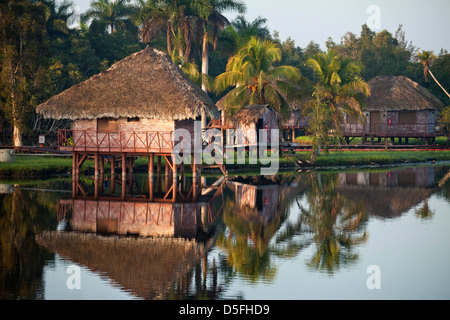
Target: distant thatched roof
250, 114
146, 84
399, 93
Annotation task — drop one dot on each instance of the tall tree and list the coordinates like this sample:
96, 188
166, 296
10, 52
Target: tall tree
426, 58
339, 86
110, 13
215, 20
255, 79
23, 49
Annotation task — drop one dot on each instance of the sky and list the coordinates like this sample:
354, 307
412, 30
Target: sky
426, 23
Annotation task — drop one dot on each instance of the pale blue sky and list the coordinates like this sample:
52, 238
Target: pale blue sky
426, 23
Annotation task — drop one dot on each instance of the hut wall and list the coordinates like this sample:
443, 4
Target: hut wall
188, 125
353, 129
247, 136
431, 121
423, 124
270, 120
249, 131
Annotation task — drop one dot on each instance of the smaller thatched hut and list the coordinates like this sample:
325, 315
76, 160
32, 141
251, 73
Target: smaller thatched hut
397, 107
250, 120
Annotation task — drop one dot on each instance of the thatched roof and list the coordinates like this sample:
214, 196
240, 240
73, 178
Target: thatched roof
250, 114
146, 84
145, 267
399, 93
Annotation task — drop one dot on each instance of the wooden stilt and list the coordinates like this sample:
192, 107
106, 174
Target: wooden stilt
74, 162
113, 183
158, 165
102, 164
96, 186
131, 163
124, 165
150, 164
96, 164
124, 187
150, 187
174, 180
113, 166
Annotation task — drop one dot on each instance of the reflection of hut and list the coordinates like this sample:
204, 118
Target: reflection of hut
189, 215
146, 267
388, 194
396, 107
256, 201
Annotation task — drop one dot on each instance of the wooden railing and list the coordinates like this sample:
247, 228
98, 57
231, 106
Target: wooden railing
411, 130
115, 141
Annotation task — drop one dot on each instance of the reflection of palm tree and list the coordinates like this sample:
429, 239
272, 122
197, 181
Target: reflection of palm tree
247, 243
334, 223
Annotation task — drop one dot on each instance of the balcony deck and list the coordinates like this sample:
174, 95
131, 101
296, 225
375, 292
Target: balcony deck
111, 142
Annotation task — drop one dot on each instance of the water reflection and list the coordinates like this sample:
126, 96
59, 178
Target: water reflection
186, 238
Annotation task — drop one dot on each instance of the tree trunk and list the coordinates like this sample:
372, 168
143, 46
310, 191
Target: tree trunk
17, 136
438, 83
205, 69
169, 40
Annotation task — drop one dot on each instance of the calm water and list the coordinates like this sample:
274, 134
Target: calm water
375, 234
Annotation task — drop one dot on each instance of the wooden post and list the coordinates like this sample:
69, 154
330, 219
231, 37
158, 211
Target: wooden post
124, 187
158, 165
113, 165
96, 186
96, 164
102, 165
74, 162
124, 166
174, 180
131, 162
113, 183
150, 187
150, 164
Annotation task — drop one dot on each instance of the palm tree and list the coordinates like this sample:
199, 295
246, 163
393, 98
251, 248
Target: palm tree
111, 13
426, 58
339, 84
176, 18
256, 80
59, 17
216, 20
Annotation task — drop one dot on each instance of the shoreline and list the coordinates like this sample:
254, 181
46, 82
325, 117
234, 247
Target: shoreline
30, 168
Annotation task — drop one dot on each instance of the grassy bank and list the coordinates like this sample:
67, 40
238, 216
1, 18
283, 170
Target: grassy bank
364, 158
34, 167
38, 167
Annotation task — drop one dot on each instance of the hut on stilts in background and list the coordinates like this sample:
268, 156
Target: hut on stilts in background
398, 108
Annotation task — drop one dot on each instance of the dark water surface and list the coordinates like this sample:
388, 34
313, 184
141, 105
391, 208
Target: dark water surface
371, 234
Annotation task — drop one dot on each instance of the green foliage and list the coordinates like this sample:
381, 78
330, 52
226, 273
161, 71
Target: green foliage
255, 80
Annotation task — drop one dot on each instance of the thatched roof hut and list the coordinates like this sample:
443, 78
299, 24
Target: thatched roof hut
250, 114
146, 84
397, 93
